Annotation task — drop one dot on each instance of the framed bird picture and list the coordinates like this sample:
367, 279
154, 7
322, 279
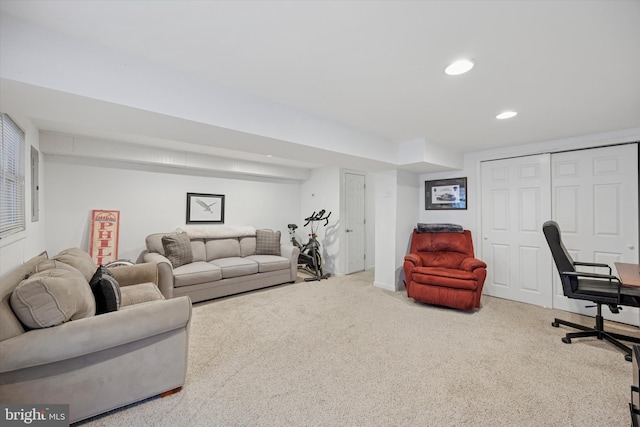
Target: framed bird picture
205, 208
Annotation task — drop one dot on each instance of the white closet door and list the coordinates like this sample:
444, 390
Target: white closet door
595, 202
516, 200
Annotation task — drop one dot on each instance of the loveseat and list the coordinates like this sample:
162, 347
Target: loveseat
206, 262
55, 349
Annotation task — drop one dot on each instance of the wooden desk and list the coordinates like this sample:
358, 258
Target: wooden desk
629, 273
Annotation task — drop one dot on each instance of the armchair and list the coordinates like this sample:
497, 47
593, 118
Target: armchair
598, 288
441, 269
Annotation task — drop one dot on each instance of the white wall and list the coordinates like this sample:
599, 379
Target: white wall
152, 200
396, 213
20, 247
468, 218
385, 208
408, 202
471, 218
322, 191
370, 216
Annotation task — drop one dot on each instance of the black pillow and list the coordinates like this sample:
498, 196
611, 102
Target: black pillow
439, 228
106, 291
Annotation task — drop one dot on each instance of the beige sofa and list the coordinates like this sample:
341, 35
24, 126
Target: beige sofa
92, 362
220, 261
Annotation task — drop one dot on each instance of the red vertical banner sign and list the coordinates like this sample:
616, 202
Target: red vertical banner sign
105, 226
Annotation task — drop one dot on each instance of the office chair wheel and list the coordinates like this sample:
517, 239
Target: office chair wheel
566, 340
555, 324
627, 357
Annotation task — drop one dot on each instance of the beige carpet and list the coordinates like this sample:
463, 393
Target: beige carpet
341, 352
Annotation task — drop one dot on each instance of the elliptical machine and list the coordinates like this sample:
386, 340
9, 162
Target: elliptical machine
310, 259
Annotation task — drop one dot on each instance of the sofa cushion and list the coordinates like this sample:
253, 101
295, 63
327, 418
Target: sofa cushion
442, 242
267, 242
198, 249
236, 266
154, 242
10, 326
78, 259
442, 259
453, 242
222, 248
177, 249
208, 232
196, 273
106, 291
137, 294
247, 246
51, 263
445, 277
270, 262
52, 297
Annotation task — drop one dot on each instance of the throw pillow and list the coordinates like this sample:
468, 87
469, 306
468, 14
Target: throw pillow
439, 228
52, 263
10, 326
52, 297
177, 249
78, 259
106, 291
267, 242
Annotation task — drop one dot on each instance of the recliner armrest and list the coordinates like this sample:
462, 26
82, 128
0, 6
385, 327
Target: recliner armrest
411, 261
470, 264
414, 259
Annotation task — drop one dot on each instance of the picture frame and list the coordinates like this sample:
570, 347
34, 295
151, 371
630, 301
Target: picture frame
205, 208
445, 194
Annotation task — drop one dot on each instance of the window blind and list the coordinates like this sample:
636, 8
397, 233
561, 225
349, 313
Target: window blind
12, 209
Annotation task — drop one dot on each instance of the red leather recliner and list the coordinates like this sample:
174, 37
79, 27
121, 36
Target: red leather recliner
441, 269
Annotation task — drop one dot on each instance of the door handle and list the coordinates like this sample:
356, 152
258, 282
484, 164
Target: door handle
348, 230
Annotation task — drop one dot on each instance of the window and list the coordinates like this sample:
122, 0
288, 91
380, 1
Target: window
11, 178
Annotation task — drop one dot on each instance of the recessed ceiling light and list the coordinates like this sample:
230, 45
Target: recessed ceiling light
506, 115
459, 67
269, 155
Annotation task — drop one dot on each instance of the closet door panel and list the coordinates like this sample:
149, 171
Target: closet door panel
515, 202
595, 202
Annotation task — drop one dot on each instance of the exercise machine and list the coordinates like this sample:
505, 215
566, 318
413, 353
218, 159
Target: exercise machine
310, 258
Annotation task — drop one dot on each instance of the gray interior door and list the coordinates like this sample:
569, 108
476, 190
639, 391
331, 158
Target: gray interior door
354, 222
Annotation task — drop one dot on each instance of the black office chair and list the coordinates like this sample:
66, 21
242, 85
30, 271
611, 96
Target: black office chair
598, 288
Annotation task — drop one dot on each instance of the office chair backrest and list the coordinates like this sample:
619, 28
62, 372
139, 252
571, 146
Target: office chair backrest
561, 257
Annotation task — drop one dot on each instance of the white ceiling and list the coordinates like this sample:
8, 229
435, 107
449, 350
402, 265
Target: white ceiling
569, 68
